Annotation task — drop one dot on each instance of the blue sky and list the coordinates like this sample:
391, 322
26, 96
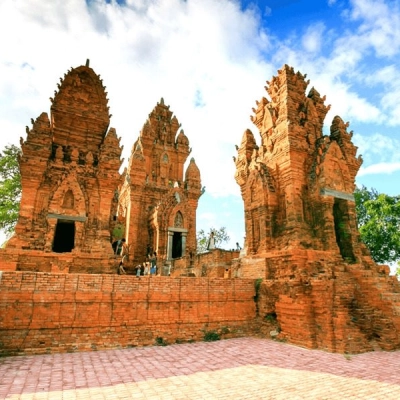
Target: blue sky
209, 60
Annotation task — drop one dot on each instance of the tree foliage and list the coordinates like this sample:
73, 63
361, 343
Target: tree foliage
220, 236
378, 217
118, 231
10, 188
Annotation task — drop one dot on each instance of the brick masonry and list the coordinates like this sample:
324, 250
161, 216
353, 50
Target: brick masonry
49, 312
318, 279
297, 185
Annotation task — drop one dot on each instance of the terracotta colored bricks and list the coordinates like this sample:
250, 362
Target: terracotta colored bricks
297, 185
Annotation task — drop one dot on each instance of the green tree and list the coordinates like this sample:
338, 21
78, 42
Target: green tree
118, 231
220, 236
10, 188
378, 218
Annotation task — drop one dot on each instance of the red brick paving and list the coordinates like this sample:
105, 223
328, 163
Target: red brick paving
246, 368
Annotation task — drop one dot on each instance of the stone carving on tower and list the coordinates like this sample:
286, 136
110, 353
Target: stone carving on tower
157, 201
297, 185
69, 172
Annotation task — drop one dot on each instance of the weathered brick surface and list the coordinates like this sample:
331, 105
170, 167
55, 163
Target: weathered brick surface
69, 174
40, 261
43, 312
157, 201
216, 263
301, 231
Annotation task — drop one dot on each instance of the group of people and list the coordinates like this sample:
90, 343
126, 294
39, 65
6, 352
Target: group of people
148, 267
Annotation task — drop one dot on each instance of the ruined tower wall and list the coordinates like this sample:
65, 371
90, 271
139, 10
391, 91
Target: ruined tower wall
302, 240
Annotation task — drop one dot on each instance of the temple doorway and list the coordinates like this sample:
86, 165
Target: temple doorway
64, 237
342, 229
177, 245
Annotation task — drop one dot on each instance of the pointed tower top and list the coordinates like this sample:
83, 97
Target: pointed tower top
192, 175
80, 106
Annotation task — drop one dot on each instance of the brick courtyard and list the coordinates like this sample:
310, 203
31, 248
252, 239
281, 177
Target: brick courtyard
246, 368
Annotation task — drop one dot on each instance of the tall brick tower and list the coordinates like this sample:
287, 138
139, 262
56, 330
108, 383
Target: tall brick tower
297, 186
157, 202
69, 173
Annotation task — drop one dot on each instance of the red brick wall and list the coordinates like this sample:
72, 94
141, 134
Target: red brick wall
42, 312
214, 263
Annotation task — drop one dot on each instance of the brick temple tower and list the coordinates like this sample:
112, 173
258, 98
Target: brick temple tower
69, 174
297, 186
157, 202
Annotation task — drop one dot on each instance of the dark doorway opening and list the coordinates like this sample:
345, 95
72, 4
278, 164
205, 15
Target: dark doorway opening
342, 229
177, 245
64, 237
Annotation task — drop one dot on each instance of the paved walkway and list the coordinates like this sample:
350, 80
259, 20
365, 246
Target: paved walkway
246, 368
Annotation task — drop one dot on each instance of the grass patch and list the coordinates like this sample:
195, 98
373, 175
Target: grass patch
161, 341
211, 336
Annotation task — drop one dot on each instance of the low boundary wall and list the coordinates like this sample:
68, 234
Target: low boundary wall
44, 312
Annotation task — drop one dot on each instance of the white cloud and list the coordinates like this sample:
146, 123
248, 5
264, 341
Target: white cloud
380, 24
144, 51
378, 148
380, 168
313, 38
209, 60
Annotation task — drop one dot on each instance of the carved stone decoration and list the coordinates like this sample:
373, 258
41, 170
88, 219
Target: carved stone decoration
59, 154
178, 223
89, 159
68, 200
75, 155
301, 231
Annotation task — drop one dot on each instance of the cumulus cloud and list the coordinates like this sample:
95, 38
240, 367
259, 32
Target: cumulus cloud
209, 60
203, 57
313, 38
380, 154
380, 26
380, 168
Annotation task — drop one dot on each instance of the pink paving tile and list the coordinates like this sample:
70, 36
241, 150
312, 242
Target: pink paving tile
203, 368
